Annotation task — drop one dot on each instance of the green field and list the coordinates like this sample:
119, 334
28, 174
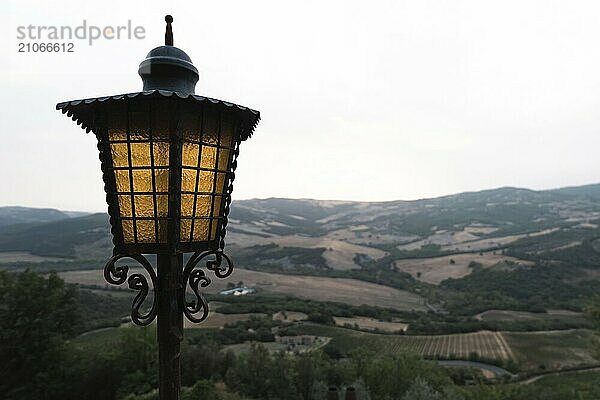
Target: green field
533, 352
520, 316
584, 380
97, 340
552, 350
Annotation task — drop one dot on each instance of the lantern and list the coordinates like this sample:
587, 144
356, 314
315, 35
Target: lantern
168, 158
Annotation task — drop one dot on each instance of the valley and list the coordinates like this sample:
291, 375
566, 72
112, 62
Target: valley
499, 276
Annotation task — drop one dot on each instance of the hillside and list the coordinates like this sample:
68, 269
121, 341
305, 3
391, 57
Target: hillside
68, 237
507, 247
20, 215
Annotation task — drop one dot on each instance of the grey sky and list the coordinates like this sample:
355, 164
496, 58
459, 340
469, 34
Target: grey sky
375, 100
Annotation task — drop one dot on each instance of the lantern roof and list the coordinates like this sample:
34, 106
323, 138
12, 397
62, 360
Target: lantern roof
83, 112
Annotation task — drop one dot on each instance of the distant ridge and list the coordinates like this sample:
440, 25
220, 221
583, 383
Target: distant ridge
373, 225
590, 191
21, 215
18, 214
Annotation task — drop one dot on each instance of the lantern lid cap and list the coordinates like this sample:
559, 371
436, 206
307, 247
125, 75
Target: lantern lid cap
168, 67
170, 55
84, 111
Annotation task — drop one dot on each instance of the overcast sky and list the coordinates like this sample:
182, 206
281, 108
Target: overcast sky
363, 100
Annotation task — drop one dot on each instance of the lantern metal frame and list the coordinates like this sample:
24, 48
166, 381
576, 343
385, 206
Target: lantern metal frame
92, 115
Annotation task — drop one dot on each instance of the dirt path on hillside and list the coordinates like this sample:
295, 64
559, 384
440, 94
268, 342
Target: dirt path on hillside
576, 371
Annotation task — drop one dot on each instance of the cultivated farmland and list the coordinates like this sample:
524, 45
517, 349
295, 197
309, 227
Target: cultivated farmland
436, 269
218, 320
371, 324
343, 290
484, 344
489, 345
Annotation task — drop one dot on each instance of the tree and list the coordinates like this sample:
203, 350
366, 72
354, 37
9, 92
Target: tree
281, 385
37, 315
138, 349
307, 372
137, 353
420, 390
201, 390
388, 378
250, 375
206, 361
592, 311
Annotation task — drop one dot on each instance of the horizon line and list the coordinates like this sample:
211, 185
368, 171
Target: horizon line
337, 200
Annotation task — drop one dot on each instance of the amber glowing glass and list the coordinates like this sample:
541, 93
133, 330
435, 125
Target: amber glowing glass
140, 150
206, 157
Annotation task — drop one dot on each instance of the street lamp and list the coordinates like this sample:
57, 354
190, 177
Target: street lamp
168, 159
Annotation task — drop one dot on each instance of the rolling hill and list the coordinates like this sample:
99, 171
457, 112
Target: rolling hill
340, 235
20, 215
507, 247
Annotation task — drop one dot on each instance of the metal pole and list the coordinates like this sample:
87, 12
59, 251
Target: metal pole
332, 393
169, 267
170, 325
350, 393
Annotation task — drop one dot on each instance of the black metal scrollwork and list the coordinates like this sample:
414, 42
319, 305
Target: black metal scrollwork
196, 278
117, 275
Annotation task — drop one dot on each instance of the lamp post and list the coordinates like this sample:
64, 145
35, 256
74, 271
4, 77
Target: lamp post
168, 159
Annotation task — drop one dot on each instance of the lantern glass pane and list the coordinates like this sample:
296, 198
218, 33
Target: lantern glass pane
122, 180
119, 154
161, 180
205, 183
200, 229
209, 155
189, 156
140, 154
188, 180
216, 206
220, 185
223, 159
142, 180
127, 226
187, 205
125, 206
144, 205
145, 231
214, 226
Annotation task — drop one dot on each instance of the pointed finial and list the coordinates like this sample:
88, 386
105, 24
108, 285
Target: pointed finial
169, 31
